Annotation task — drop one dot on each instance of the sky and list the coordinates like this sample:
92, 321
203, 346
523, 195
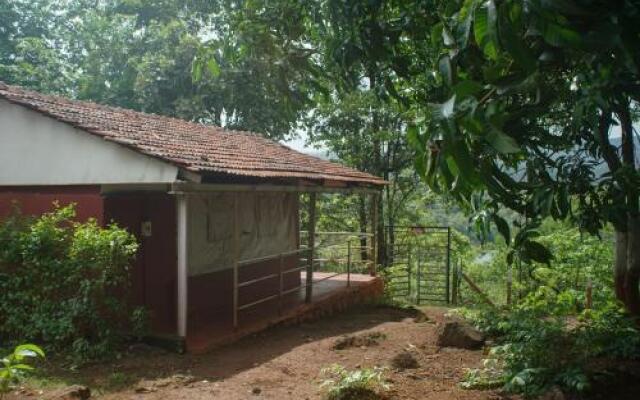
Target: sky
299, 144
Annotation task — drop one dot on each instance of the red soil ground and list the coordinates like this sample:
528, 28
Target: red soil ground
285, 363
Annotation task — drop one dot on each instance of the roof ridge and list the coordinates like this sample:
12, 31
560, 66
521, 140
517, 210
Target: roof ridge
192, 145
106, 107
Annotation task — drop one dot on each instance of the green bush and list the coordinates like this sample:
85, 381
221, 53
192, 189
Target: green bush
359, 384
577, 259
64, 283
540, 344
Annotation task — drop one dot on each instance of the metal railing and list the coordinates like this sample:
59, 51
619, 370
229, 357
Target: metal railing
305, 263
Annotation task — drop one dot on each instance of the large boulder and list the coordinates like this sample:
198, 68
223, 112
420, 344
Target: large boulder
460, 334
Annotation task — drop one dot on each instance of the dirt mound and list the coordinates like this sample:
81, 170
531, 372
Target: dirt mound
404, 360
363, 340
460, 334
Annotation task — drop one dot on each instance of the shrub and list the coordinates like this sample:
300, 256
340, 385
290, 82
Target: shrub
539, 349
13, 367
359, 384
64, 283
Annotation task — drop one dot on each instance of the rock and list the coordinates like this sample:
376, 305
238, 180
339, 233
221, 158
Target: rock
75, 392
404, 360
144, 389
362, 341
459, 334
421, 317
256, 391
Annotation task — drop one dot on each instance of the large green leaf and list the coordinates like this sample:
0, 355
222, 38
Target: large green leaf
213, 67
445, 110
446, 70
558, 35
503, 227
537, 252
466, 165
514, 42
415, 140
502, 142
485, 28
28, 350
467, 87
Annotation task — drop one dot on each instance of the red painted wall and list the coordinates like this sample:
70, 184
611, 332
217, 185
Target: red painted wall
36, 200
154, 270
211, 295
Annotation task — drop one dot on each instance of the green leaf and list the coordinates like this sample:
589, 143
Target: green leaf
516, 46
23, 367
420, 165
29, 350
536, 252
415, 140
558, 35
485, 29
467, 87
503, 228
196, 70
563, 201
445, 110
510, 257
464, 162
444, 65
502, 142
447, 38
213, 67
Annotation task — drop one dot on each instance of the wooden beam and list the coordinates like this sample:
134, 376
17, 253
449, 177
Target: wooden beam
476, 289
312, 246
178, 187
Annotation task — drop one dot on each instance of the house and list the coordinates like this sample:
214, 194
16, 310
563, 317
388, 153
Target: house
216, 211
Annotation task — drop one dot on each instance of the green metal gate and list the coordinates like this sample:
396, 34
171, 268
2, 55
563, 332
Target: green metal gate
419, 264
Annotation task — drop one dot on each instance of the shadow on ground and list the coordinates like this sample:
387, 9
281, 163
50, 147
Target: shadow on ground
148, 363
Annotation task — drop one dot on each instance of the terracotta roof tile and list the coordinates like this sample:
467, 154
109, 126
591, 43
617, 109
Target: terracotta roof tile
194, 147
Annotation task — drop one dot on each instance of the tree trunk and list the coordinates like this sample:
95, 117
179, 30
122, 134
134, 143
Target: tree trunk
632, 276
620, 265
631, 286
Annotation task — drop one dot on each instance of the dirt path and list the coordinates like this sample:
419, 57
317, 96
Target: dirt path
285, 363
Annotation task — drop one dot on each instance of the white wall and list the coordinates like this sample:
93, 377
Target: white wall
268, 225
38, 150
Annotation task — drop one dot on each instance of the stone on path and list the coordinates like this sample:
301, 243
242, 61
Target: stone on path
460, 334
75, 392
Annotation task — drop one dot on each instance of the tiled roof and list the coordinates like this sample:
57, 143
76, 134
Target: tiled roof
194, 147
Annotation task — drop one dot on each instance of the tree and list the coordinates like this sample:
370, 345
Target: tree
140, 55
514, 102
533, 89
344, 124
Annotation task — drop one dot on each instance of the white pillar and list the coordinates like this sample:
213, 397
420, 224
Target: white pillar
181, 228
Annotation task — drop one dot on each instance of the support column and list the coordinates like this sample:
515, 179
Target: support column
448, 282
374, 230
311, 246
182, 213
235, 249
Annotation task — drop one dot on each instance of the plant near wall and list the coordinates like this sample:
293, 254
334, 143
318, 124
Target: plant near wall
541, 344
13, 367
64, 283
